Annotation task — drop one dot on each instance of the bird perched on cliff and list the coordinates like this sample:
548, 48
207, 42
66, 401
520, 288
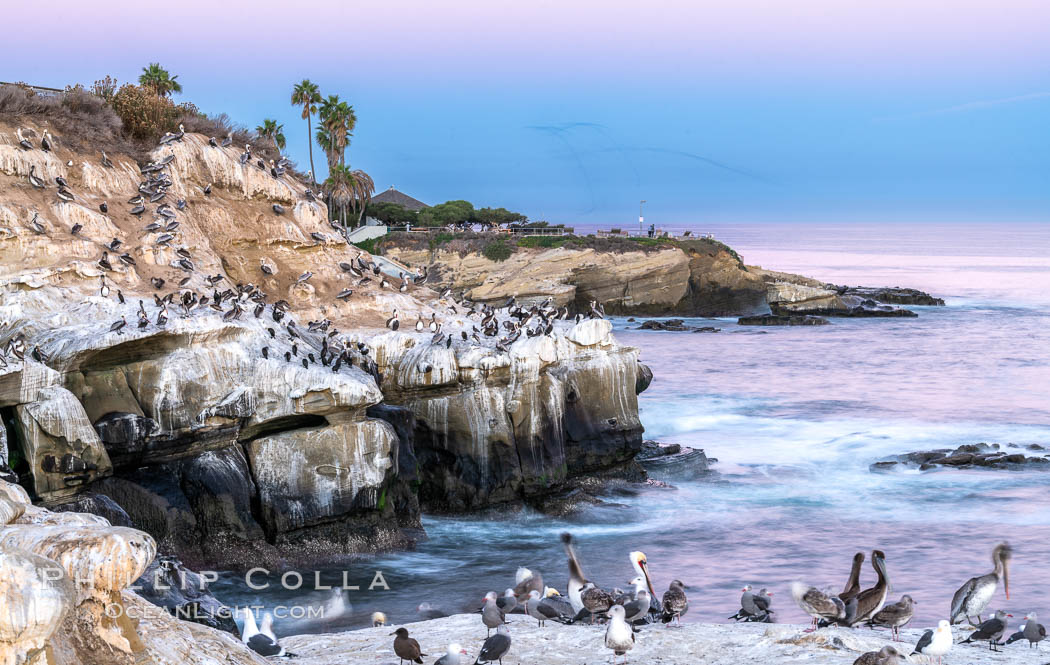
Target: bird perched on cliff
973, 598
34, 179
452, 656
894, 616
884, 656
116, 326
491, 614
540, 609
935, 643
495, 647
637, 608
23, 142
674, 603
261, 639
817, 604
378, 619
871, 600
754, 606
406, 648
525, 581
991, 630
106, 161
507, 602
619, 636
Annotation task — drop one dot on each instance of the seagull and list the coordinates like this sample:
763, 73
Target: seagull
937, 642
452, 656
507, 602
1033, 632
638, 608
618, 634
491, 614
972, 598
539, 609
675, 603
895, 616
261, 640
817, 604
495, 647
991, 630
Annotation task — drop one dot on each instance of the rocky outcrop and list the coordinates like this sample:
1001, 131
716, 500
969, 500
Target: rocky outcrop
782, 320
65, 580
970, 455
789, 294
490, 429
690, 277
173, 385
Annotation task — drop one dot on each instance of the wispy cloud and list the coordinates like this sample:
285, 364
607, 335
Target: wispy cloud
972, 106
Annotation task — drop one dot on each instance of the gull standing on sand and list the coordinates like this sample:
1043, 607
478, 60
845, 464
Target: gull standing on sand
936, 643
973, 598
618, 635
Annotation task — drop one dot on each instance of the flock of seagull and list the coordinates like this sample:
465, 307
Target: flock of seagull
624, 612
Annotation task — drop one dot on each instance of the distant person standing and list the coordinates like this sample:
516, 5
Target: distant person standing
652, 230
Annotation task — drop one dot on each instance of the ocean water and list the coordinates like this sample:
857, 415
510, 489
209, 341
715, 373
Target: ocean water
795, 416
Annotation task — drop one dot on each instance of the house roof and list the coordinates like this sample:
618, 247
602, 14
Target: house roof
400, 198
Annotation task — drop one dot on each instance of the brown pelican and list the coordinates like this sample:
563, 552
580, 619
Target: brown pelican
378, 618
618, 634
23, 142
106, 161
884, 656
34, 180
406, 648
817, 604
991, 630
117, 325
45, 142
36, 226
65, 194
226, 143
494, 648
871, 600
576, 578
675, 603
852, 588
76, 228
972, 598
278, 209
213, 143
103, 207
895, 616
935, 643
392, 322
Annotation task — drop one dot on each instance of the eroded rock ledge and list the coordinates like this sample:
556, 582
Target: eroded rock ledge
214, 433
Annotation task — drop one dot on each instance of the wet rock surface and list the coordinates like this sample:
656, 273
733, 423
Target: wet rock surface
970, 456
782, 320
674, 462
675, 325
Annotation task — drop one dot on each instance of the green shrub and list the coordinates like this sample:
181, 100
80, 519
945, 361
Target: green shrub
498, 251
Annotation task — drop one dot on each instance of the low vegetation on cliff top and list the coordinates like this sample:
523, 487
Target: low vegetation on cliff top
500, 247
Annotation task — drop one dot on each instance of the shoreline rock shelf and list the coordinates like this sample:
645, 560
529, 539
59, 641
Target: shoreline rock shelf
557, 644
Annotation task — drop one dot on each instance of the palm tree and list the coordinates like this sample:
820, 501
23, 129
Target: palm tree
307, 95
349, 191
336, 125
271, 130
157, 79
